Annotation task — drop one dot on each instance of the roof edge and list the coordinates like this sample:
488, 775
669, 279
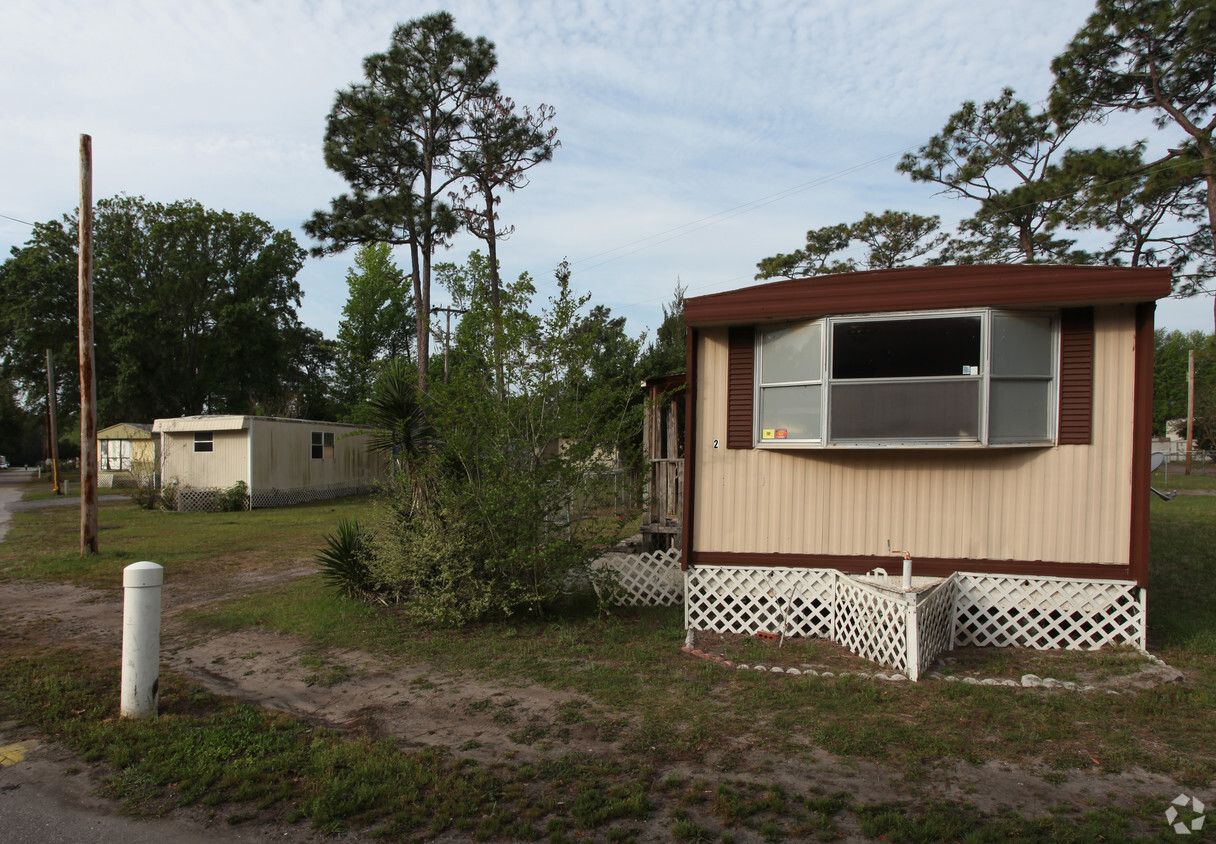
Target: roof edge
922, 288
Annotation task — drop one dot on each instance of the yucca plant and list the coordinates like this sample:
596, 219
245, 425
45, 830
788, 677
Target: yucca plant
344, 563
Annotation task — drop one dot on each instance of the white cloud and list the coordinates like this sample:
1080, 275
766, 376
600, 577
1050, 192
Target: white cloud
669, 113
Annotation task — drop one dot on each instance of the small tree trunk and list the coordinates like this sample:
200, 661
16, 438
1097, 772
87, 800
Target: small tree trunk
495, 298
420, 322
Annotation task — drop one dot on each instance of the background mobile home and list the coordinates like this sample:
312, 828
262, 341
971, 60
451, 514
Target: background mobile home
281, 461
127, 455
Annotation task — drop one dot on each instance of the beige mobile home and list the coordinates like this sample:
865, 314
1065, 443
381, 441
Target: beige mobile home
990, 424
127, 454
281, 461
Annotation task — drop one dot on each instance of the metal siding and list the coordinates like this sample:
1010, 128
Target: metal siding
283, 456
219, 469
1065, 503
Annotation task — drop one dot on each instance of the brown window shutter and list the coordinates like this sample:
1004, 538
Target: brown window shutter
741, 385
1076, 376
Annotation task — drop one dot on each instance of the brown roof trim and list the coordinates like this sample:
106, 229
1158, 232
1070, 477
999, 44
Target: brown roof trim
691, 336
1142, 432
921, 566
922, 288
666, 383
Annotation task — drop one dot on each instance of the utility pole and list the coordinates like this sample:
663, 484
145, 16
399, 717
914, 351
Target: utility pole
447, 334
1190, 407
88, 373
52, 433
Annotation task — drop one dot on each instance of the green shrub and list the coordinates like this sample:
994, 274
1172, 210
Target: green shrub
504, 498
235, 497
344, 562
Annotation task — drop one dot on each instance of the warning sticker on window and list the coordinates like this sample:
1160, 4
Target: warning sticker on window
768, 434
782, 433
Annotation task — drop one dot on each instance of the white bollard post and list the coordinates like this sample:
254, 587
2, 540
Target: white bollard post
141, 639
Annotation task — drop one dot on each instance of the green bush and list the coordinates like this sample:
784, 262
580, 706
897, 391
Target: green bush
235, 497
344, 562
499, 507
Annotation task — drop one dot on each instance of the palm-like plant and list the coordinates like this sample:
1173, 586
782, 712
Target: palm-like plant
400, 425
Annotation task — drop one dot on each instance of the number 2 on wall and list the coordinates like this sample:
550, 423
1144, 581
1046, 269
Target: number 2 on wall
715, 442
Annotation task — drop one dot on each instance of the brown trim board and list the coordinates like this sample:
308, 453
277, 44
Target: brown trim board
1142, 427
921, 288
921, 567
691, 338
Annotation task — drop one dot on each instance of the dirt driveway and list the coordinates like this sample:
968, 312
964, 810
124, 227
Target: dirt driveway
423, 705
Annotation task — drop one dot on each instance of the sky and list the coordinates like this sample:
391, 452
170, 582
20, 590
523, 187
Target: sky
696, 138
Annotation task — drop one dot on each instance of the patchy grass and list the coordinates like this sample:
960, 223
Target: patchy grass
45, 544
246, 764
651, 700
630, 666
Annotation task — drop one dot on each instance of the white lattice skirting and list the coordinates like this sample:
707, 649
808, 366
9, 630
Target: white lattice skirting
207, 499
650, 580
906, 632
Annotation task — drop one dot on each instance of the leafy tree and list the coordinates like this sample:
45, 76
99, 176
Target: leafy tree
376, 327
1001, 154
502, 146
21, 431
1139, 204
38, 312
893, 239
518, 495
194, 312
667, 354
394, 139
1153, 56
1170, 361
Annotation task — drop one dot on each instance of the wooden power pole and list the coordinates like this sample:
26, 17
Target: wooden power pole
52, 429
88, 374
1190, 407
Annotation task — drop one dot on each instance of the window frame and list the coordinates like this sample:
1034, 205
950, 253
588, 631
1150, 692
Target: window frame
204, 438
322, 445
984, 379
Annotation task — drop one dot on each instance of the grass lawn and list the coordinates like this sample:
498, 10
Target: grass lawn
41, 488
1177, 479
44, 544
655, 702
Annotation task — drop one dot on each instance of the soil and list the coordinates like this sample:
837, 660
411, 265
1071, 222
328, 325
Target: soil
1113, 669
421, 705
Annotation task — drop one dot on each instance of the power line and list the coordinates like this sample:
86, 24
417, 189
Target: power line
15, 220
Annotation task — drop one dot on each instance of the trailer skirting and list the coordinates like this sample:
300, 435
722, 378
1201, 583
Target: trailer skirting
873, 618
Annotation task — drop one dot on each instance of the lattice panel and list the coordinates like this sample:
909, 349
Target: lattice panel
934, 624
1046, 613
207, 499
299, 495
189, 498
650, 579
871, 624
732, 599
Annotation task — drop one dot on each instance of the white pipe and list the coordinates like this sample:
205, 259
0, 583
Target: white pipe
907, 573
141, 639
